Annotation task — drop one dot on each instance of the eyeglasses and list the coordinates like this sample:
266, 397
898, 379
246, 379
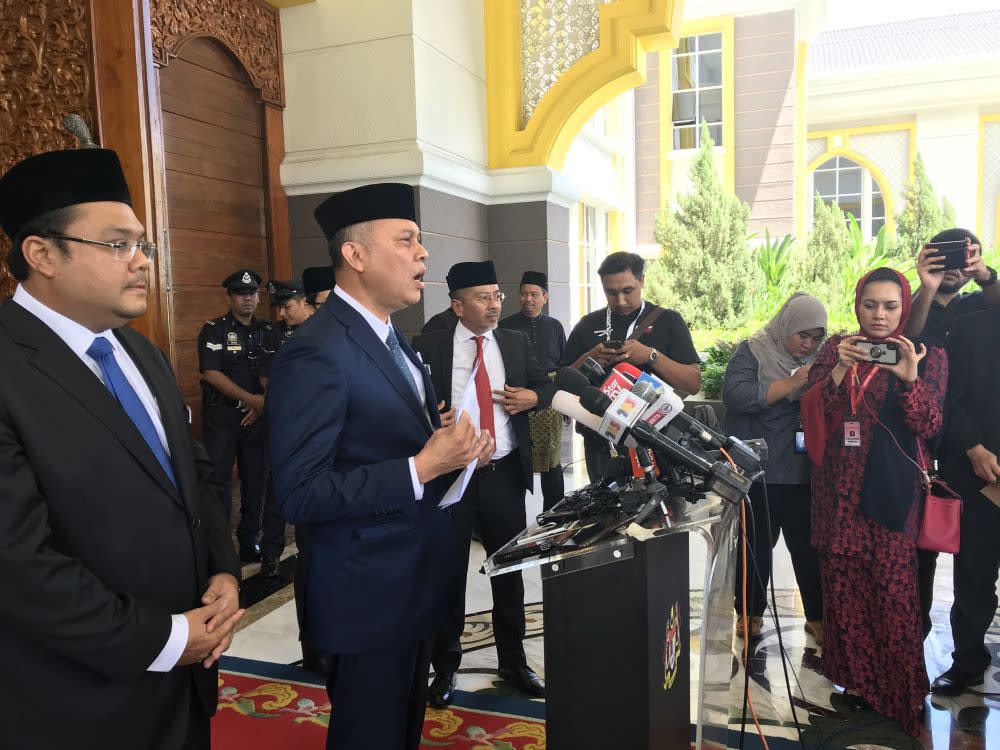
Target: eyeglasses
124, 250
485, 299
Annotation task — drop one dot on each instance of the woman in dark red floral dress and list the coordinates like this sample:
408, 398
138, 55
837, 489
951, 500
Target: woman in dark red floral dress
860, 419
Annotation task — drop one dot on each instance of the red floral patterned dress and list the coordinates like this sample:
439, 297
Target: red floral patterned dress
872, 637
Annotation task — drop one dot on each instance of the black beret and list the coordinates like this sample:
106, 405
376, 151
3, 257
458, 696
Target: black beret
57, 179
317, 279
244, 281
535, 277
464, 275
283, 290
384, 200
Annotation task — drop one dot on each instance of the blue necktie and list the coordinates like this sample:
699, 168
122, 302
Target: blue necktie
102, 352
400, 359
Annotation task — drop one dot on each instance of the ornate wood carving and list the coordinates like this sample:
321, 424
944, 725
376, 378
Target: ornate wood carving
45, 73
247, 27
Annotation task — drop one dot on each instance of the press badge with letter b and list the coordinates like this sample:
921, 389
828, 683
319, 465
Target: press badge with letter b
852, 434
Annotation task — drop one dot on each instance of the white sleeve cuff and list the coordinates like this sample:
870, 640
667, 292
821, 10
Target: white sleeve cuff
172, 652
418, 489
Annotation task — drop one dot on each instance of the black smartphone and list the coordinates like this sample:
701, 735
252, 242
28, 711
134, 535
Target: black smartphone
955, 254
616, 344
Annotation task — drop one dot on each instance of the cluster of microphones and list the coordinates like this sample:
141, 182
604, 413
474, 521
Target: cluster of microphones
638, 411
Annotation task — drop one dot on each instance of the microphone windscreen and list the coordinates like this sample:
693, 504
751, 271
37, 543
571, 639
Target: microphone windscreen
631, 371
595, 401
593, 371
571, 380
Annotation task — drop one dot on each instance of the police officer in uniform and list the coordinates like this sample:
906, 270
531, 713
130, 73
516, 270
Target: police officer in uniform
229, 357
292, 310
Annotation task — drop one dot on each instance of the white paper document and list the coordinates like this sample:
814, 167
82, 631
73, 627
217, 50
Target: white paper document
468, 404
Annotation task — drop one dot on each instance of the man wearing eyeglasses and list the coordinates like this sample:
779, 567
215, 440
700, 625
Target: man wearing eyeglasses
119, 590
230, 357
317, 282
509, 384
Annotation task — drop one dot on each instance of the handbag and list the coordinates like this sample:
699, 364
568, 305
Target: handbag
941, 521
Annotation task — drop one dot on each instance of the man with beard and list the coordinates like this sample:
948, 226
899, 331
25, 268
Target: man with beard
632, 330
937, 305
940, 300
229, 357
548, 340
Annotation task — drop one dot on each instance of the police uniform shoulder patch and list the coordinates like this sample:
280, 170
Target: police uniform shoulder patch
213, 347
210, 322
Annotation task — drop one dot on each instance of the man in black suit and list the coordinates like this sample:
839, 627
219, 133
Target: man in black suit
509, 383
970, 465
119, 591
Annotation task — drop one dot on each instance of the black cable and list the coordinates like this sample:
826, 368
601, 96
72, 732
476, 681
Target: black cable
777, 623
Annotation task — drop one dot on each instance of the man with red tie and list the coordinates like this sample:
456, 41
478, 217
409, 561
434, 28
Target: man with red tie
509, 383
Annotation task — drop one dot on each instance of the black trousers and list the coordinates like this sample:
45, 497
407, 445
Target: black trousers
227, 441
976, 567
789, 510
597, 456
494, 503
272, 538
378, 698
553, 486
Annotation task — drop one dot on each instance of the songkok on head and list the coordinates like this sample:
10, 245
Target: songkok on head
281, 291
535, 277
464, 275
317, 279
384, 200
244, 281
57, 179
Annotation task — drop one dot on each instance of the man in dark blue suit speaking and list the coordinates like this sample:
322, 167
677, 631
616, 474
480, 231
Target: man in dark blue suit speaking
361, 460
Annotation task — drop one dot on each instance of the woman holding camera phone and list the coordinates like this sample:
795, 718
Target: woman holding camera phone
862, 422
761, 391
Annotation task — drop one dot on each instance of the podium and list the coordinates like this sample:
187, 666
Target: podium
617, 632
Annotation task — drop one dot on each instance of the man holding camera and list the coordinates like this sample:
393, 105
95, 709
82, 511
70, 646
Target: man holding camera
937, 305
633, 331
940, 300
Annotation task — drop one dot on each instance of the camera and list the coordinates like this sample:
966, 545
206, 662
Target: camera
955, 254
885, 353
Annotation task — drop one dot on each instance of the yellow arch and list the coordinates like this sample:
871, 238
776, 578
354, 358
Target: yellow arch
877, 175
628, 30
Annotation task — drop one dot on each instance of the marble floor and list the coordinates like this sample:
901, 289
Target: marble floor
971, 722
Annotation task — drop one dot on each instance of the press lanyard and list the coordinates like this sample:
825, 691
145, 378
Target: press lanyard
607, 323
858, 392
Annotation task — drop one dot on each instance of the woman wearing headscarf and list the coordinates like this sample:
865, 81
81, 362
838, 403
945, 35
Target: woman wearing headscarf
761, 391
862, 424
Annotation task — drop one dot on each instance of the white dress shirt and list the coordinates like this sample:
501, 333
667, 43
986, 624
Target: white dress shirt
78, 339
462, 359
381, 329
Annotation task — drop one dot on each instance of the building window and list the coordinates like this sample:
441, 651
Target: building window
593, 250
852, 187
696, 86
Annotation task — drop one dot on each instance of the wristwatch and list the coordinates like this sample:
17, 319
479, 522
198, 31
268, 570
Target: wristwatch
655, 355
990, 281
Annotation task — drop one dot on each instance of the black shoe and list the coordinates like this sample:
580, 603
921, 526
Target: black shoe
955, 682
270, 568
250, 554
314, 662
441, 693
525, 680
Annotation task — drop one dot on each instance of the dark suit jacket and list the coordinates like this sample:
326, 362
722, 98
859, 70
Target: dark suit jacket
972, 409
97, 549
343, 424
523, 371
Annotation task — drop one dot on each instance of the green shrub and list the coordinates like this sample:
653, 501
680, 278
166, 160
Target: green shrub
706, 270
713, 368
922, 217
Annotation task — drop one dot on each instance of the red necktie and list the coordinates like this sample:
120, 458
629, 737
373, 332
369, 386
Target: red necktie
484, 396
